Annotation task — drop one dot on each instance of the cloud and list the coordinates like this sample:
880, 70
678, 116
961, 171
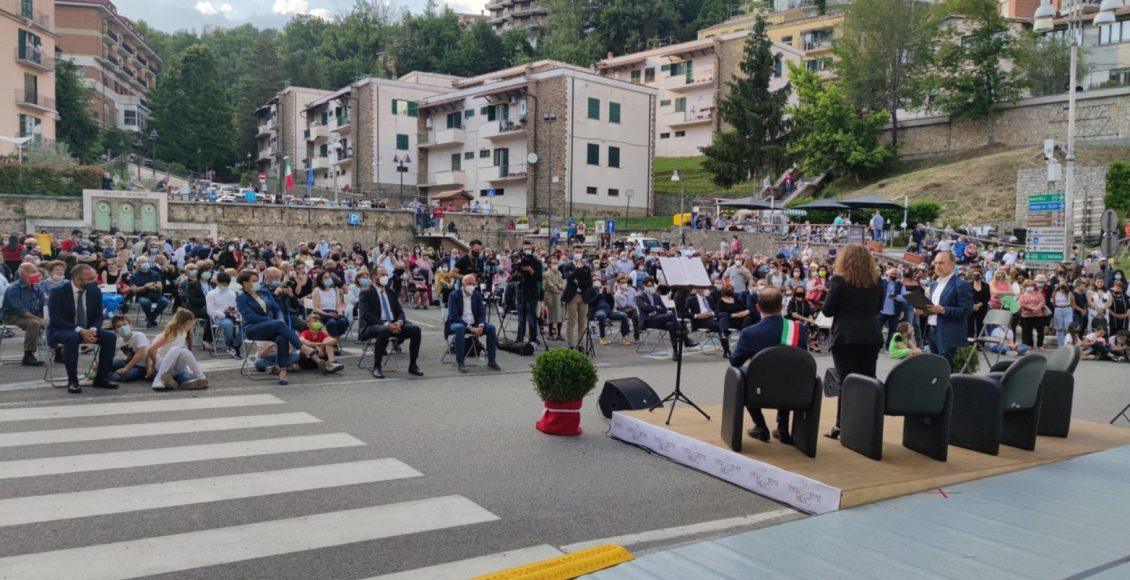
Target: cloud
208, 8
321, 13
291, 7
463, 6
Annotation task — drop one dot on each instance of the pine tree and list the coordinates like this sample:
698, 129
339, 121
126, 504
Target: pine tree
77, 125
757, 138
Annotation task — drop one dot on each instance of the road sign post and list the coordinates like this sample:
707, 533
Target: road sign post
1047, 244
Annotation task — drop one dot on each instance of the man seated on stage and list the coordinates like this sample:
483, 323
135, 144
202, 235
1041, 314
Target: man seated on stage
773, 330
654, 314
466, 312
76, 317
382, 318
705, 316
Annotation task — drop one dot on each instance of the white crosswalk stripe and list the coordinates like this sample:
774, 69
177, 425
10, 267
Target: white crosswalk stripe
225, 543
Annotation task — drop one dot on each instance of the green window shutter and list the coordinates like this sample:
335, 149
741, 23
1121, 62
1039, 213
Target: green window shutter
492, 113
664, 68
402, 141
593, 154
325, 117
636, 76
614, 157
680, 104
594, 108
394, 107
412, 109
614, 112
690, 73
323, 150
456, 162
665, 103
468, 113
777, 67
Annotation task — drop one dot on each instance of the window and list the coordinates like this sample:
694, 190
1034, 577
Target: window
665, 103
1114, 33
636, 76
29, 126
483, 110
614, 113
777, 66
676, 69
614, 157
27, 46
455, 120
613, 192
324, 150
664, 68
590, 190
680, 134
497, 192
491, 113
129, 118
25, 8
484, 153
787, 39
402, 142
649, 75
325, 117
594, 108
470, 155
681, 105
402, 108
1119, 77
456, 162
468, 113
593, 154
664, 135
690, 72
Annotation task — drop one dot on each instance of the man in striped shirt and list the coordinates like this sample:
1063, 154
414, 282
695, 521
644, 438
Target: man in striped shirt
773, 330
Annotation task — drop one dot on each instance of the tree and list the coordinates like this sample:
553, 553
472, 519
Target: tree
974, 69
624, 26
423, 40
77, 126
757, 138
828, 134
478, 51
190, 111
882, 53
1118, 187
1045, 62
567, 38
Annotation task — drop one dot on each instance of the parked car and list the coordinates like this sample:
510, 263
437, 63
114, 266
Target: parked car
640, 241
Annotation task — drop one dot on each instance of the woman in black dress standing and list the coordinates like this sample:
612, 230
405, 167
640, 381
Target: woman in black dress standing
981, 297
855, 296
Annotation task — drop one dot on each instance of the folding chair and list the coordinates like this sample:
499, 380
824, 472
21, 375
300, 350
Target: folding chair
645, 338
474, 350
981, 342
60, 382
247, 370
392, 349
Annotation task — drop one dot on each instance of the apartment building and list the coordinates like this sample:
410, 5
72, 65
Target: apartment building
690, 79
113, 58
546, 137
507, 14
801, 27
28, 38
357, 137
1107, 50
281, 131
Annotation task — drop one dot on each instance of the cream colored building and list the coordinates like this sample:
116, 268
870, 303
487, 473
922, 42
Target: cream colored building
690, 78
1107, 50
281, 131
360, 132
113, 58
27, 51
594, 158
507, 14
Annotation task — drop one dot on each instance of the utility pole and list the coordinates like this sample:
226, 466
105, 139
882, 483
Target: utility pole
550, 119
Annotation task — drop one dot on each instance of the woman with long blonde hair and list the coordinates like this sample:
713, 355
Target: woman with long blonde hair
171, 362
854, 299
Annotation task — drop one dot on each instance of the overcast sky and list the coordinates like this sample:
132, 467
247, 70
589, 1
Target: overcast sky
173, 15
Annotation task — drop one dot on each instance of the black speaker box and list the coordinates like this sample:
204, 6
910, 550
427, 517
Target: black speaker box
518, 348
625, 394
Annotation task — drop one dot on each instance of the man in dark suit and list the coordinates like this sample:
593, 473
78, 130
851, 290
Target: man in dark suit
948, 316
701, 309
654, 314
76, 317
576, 297
467, 313
773, 330
382, 319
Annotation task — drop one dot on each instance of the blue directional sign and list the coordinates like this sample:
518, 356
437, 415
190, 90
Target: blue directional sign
611, 226
354, 218
490, 192
1053, 206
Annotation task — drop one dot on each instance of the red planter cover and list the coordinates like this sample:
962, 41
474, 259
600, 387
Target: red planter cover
561, 418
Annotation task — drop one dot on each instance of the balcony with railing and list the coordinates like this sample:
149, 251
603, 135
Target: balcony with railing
265, 154
507, 128
127, 48
113, 60
693, 117
699, 78
442, 137
446, 179
342, 124
819, 43
317, 133
319, 163
33, 56
509, 172
34, 100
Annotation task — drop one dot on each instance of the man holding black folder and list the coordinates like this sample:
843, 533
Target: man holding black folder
951, 306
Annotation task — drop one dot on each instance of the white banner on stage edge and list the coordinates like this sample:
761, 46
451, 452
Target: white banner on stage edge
803, 493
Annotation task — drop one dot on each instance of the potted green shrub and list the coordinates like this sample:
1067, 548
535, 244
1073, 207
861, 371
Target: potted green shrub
963, 354
562, 377
522, 224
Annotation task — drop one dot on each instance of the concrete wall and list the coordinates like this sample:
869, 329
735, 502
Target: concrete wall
1102, 116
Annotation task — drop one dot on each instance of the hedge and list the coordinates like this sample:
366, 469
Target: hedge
39, 180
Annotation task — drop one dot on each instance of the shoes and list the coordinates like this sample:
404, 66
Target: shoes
726, 352
675, 357
783, 436
377, 374
74, 388
153, 324
493, 366
30, 360
760, 433
833, 434
234, 352
334, 367
604, 340
415, 371
321, 364
462, 367
195, 385
103, 383
283, 382
273, 370
625, 341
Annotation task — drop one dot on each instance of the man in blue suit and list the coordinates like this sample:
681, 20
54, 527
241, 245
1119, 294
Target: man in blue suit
773, 330
76, 317
952, 299
467, 313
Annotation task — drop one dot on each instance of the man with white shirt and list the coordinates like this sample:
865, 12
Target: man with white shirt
952, 305
466, 313
222, 311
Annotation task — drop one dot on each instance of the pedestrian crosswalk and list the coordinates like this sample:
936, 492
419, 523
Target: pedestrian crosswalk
137, 424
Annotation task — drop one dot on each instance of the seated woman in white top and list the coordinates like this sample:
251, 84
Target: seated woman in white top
330, 304
222, 311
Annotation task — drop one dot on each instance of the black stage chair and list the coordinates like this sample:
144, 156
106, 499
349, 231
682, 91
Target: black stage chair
918, 389
1057, 390
782, 378
988, 411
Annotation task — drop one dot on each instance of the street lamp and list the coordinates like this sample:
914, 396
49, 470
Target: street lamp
139, 146
153, 136
682, 207
628, 208
401, 168
550, 119
1073, 10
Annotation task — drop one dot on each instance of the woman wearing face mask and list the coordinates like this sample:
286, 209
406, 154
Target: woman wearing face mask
196, 296
1032, 315
1119, 307
260, 315
228, 258
1099, 302
330, 305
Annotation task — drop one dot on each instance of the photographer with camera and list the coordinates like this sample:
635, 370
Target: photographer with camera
528, 275
472, 263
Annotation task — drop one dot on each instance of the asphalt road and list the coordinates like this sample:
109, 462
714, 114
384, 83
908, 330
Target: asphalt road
349, 477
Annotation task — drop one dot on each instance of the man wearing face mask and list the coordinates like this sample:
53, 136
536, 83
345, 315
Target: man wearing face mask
890, 313
382, 318
283, 291
472, 263
529, 274
76, 317
654, 314
147, 286
576, 297
23, 307
466, 313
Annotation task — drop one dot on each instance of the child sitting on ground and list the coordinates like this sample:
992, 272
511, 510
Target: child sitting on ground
134, 347
316, 337
902, 342
1118, 346
1095, 345
1007, 342
171, 362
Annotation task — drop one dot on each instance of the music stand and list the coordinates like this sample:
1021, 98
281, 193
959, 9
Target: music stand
675, 274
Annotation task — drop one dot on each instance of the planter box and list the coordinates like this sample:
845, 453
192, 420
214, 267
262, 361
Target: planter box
875, 247
521, 227
912, 258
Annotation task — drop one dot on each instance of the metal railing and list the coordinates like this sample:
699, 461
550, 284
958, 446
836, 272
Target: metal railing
816, 233
35, 57
33, 98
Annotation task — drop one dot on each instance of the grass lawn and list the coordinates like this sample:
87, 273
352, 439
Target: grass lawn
697, 180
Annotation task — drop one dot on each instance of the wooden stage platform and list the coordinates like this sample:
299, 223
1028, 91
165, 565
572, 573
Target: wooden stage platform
838, 477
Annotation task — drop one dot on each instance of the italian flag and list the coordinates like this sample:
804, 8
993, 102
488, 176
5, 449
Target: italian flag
790, 333
289, 175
